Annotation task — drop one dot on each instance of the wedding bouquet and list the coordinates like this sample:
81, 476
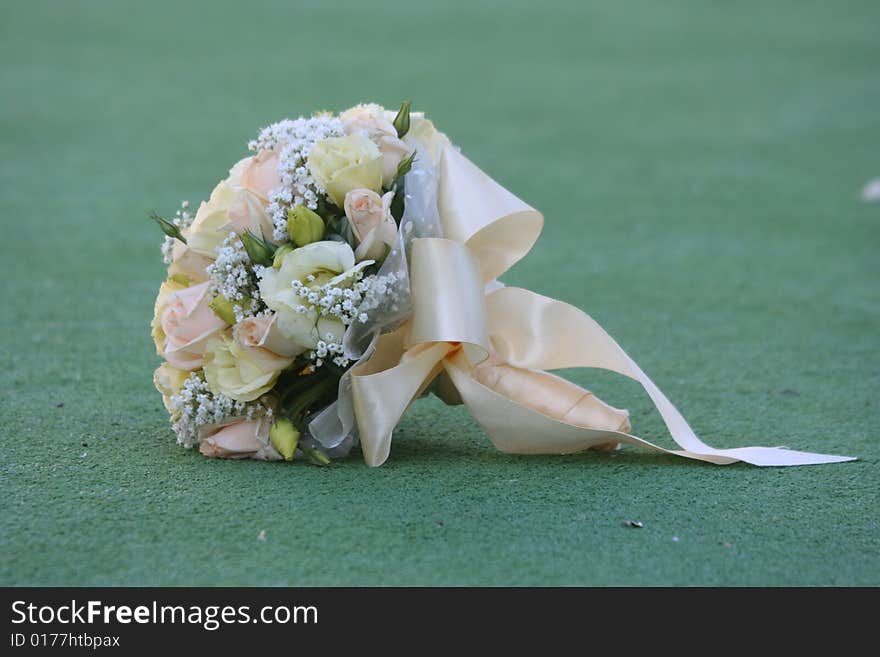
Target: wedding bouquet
351, 265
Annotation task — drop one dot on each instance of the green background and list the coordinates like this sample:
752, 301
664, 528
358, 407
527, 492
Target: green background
699, 166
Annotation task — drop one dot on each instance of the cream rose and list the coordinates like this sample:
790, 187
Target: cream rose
184, 323
209, 229
168, 381
168, 287
238, 439
369, 216
241, 373
324, 263
372, 121
340, 164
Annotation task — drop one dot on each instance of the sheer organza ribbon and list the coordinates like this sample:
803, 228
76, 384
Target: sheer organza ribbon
488, 346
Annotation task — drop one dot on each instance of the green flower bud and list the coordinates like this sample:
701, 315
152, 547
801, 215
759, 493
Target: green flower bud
317, 457
282, 251
284, 437
167, 227
304, 225
401, 121
222, 307
259, 251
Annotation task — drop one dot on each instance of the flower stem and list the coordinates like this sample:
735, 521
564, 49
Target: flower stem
308, 397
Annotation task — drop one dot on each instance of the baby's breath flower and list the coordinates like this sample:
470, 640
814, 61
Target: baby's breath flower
233, 276
195, 406
348, 301
294, 140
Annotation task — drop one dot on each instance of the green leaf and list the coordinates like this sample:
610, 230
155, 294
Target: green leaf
328, 211
404, 167
320, 385
401, 121
397, 204
167, 227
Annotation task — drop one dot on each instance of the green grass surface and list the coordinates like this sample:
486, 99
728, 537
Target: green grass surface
699, 168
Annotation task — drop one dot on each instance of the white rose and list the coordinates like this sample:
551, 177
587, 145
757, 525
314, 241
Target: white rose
313, 265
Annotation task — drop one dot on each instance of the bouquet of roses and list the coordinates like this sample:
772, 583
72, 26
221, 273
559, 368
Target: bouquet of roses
351, 265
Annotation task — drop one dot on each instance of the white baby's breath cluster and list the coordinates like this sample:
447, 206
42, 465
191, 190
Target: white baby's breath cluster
294, 140
340, 301
182, 219
195, 406
233, 276
343, 301
382, 294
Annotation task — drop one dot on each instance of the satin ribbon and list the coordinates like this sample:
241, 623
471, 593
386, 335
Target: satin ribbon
488, 346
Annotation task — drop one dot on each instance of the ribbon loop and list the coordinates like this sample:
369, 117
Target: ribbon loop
475, 210
447, 297
381, 397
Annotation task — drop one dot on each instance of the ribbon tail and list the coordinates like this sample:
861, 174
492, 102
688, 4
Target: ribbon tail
533, 331
520, 410
382, 393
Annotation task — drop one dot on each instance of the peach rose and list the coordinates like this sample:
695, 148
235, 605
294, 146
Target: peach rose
187, 324
188, 263
237, 204
247, 213
369, 119
393, 151
260, 175
238, 439
372, 120
263, 332
371, 222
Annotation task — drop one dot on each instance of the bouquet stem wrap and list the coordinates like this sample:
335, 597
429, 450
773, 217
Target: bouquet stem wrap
489, 346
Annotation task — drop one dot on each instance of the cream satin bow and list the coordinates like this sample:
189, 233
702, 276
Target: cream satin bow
487, 345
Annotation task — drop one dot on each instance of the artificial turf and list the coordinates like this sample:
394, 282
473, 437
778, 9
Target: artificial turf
699, 167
